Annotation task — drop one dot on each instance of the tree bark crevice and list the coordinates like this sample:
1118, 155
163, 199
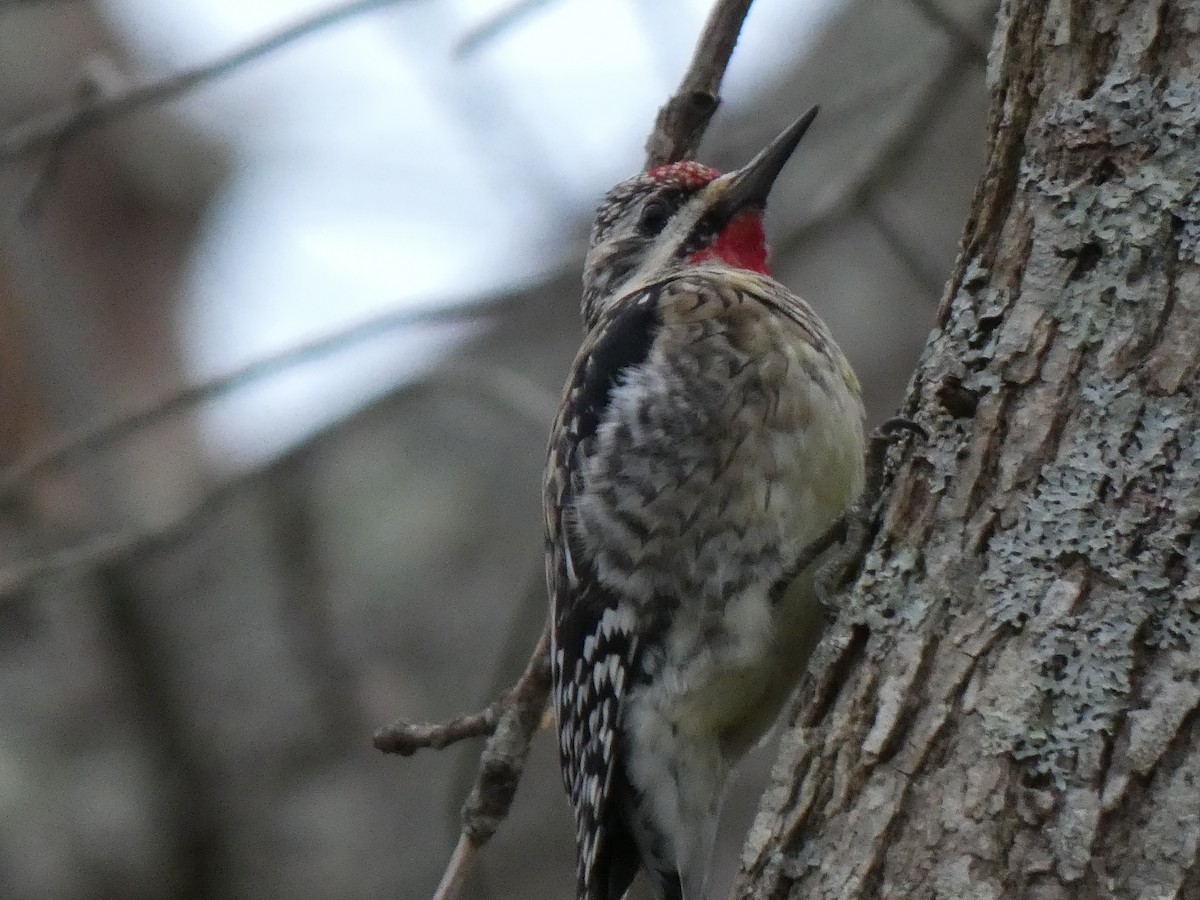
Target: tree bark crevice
1022, 721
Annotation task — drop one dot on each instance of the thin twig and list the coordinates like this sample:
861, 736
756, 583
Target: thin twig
96, 551
503, 758
93, 437
495, 25
952, 28
406, 738
456, 869
6, 5
511, 723
905, 250
527, 616
501, 765
514, 390
112, 547
878, 161
63, 125
682, 121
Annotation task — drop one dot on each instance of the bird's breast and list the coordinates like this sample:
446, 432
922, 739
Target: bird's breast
732, 443
730, 446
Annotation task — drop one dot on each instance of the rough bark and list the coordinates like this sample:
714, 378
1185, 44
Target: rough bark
1009, 705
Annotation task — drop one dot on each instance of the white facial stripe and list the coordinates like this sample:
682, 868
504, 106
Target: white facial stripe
678, 231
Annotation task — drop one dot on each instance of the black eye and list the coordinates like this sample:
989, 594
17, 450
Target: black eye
654, 217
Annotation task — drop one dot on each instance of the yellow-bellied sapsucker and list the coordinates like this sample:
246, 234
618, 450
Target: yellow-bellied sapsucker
709, 430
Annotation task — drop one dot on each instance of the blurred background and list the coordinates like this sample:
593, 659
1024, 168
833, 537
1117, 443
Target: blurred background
205, 615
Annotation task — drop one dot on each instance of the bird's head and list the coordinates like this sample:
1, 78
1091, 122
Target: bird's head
680, 214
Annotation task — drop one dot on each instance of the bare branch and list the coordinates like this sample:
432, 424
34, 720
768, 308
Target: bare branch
493, 26
953, 29
501, 764
879, 160
62, 126
518, 392
464, 852
112, 547
931, 278
511, 721
94, 437
96, 551
503, 758
6, 5
406, 738
682, 121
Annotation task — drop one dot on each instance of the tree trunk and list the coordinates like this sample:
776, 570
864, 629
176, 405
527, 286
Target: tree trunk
1009, 705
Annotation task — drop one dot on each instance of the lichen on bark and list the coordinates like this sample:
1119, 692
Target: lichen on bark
1011, 695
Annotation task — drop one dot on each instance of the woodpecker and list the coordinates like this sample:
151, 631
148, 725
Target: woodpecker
709, 430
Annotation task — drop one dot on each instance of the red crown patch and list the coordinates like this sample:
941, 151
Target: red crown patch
689, 174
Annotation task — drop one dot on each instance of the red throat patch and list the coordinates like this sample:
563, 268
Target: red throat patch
742, 243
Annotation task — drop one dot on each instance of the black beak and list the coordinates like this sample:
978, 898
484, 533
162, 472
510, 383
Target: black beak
750, 185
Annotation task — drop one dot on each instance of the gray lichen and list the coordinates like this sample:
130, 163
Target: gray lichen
1113, 506
1109, 507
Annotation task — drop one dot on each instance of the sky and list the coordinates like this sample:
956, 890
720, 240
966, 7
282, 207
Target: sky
376, 168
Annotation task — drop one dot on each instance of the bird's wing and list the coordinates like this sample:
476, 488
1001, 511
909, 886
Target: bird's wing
595, 641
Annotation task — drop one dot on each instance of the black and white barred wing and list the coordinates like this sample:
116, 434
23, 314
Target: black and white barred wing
593, 644
594, 647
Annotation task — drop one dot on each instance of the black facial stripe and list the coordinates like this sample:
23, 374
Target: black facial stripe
703, 233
